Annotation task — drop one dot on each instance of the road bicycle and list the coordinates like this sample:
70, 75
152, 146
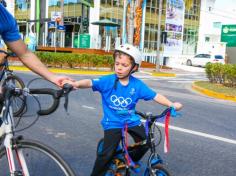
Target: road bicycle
7, 75
25, 157
122, 164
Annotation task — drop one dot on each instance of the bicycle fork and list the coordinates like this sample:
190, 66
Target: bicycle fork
15, 155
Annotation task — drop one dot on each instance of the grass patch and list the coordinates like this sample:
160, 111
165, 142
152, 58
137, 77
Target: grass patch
216, 88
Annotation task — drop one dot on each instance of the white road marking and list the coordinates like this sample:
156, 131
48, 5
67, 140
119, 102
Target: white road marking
88, 107
231, 141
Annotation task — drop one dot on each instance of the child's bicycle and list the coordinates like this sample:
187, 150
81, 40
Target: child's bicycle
7, 75
122, 164
24, 157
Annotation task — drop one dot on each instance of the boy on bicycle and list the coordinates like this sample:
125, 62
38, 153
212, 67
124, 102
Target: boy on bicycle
121, 92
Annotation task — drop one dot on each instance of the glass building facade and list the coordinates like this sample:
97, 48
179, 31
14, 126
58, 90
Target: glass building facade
76, 12
113, 10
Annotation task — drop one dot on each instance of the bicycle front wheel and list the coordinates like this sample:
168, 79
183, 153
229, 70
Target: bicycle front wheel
40, 160
18, 102
157, 170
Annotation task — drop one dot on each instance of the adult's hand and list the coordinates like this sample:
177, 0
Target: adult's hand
60, 80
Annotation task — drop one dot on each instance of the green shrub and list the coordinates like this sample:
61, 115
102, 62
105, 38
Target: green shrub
72, 60
221, 74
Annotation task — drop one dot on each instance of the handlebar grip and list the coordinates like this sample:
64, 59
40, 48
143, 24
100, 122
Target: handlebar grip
56, 94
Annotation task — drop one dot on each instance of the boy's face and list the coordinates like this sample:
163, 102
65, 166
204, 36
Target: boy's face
123, 64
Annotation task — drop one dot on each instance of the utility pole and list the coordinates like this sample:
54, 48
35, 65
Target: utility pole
158, 37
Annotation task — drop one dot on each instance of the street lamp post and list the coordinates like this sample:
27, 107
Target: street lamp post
158, 37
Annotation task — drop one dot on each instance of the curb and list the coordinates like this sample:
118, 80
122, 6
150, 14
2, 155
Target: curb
213, 94
89, 72
65, 71
164, 74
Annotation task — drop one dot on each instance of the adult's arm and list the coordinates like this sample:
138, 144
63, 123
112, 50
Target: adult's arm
166, 102
30, 60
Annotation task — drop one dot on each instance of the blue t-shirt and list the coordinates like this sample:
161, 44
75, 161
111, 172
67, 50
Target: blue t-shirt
8, 26
119, 100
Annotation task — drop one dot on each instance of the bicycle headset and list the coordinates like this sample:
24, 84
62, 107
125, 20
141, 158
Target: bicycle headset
134, 54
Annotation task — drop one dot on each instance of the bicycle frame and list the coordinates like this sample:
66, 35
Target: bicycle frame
151, 144
14, 153
154, 163
10, 141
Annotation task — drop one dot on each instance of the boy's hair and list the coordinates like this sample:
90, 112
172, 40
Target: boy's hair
119, 53
131, 51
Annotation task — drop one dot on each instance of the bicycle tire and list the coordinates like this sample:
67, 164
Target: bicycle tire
40, 160
18, 102
158, 170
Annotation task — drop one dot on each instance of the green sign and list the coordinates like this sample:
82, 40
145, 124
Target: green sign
228, 35
76, 41
84, 41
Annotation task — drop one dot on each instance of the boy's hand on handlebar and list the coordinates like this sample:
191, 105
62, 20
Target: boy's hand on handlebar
177, 106
73, 83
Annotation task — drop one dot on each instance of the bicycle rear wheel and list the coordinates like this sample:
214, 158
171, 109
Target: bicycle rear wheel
18, 102
40, 160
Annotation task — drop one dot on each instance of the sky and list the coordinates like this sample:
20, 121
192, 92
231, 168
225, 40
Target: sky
226, 5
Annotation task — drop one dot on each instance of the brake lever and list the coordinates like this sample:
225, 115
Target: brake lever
66, 90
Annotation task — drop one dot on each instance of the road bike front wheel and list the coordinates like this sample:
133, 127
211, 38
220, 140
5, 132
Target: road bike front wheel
40, 160
157, 170
18, 102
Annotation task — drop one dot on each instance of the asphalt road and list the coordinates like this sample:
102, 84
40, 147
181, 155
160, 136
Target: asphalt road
203, 139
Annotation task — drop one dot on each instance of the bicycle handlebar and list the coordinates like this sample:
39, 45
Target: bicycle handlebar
155, 117
56, 94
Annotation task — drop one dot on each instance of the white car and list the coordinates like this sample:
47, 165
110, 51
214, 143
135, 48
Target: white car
203, 59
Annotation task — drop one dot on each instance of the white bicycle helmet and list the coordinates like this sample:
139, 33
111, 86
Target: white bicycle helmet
132, 51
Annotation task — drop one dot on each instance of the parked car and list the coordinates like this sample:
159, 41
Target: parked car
203, 59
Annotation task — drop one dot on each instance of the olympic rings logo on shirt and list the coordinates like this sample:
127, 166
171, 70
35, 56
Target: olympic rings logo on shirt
120, 101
